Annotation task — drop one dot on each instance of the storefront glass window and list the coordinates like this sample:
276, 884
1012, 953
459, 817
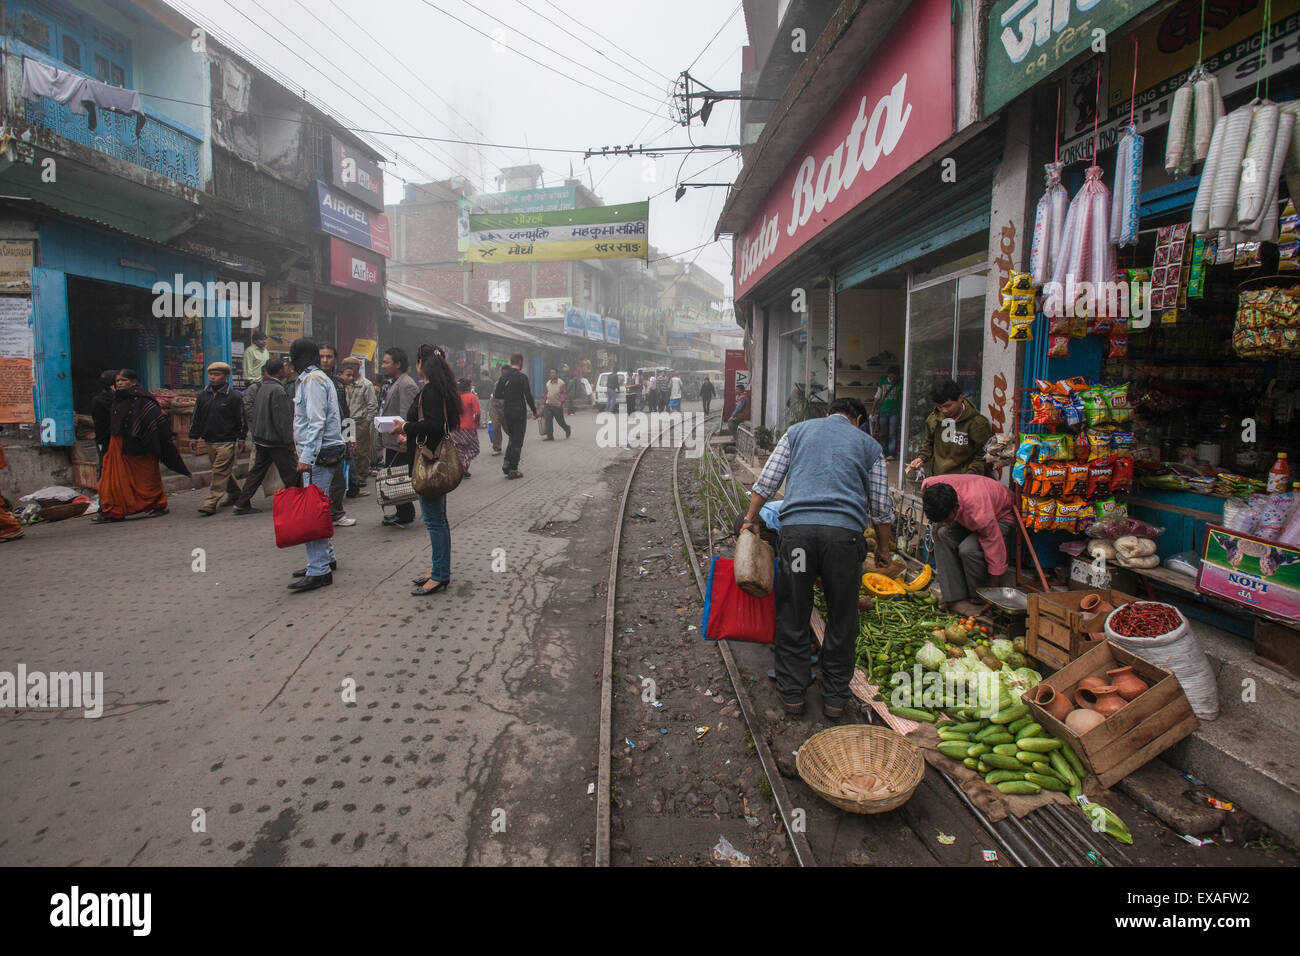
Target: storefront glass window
970, 334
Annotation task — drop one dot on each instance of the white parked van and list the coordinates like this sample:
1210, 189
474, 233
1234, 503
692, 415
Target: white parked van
602, 390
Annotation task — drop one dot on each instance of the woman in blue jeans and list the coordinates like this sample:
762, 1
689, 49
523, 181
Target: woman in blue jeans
426, 424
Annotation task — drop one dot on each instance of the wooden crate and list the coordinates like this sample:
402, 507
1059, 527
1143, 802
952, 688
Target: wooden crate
1142, 729
1058, 631
85, 474
1278, 644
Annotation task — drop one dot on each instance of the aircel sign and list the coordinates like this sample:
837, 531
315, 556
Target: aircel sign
896, 110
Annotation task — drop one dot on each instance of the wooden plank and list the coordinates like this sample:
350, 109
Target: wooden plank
1158, 746
1142, 734
1175, 509
1172, 579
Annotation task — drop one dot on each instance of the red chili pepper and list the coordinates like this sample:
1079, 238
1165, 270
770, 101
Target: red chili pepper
1145, 619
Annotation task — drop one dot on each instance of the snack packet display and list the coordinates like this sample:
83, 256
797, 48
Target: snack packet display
1076, 479
1096, 411
1051, 479
1108, 508
1055, 447
1100, 473
1099, 445
1121, 473
1068, 513
1058, 346
1044, 514
1117, 401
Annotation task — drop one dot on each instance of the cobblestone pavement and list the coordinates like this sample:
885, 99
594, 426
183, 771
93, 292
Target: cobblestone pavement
473, 735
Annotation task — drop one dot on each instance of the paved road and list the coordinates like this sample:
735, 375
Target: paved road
473, 735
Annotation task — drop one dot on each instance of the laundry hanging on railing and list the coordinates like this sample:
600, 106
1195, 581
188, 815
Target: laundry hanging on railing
82, 95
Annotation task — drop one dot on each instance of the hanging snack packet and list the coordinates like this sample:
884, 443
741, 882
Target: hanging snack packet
1046, 410
1071, 411
1051, 479
1076, 479
1098, 443
1079, 326
1121, 473
1117, 399
1108, 508
1058, 324
1055, 447
1068, 513
1095, 408
1019, 283
1075, 384
1022, 308
1058, 346
1030, 473
1122, 441
1082, 447
1118, 346
1100, 474
1021, 332
1044, 514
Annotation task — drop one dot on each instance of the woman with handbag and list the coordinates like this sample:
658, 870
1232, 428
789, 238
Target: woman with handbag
435, 467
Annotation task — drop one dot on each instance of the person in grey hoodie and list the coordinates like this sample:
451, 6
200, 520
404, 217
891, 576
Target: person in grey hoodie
272, 434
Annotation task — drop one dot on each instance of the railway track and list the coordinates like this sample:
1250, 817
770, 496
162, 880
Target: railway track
1050, 837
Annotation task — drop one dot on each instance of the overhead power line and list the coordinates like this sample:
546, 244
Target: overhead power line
715, 36
546, 66
611, 42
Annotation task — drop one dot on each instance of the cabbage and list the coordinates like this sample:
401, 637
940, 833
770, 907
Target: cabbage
1002, 648
930, 657
1029, 675
1019, 681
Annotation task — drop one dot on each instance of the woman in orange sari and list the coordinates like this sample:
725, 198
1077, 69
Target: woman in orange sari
140, 437
10, 528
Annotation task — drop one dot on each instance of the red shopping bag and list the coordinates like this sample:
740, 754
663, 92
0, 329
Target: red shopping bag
732, 615
301, 515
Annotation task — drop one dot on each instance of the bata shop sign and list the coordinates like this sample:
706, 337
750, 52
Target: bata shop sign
898, 109
357, 176
355, 268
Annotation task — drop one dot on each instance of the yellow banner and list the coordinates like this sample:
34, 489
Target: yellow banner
559, 251
1167, 45
364, 348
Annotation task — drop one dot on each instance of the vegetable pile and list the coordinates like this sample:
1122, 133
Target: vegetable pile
1144, 619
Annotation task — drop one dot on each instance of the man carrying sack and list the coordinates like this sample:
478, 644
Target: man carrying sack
836, 480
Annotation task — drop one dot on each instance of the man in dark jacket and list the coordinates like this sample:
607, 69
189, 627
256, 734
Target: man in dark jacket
398, 396
272, 426
101, 412
219, 422
955, 434
515, 392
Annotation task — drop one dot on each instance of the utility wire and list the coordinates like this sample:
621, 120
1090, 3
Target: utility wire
715, 36
574, 79
611, 42
585, 43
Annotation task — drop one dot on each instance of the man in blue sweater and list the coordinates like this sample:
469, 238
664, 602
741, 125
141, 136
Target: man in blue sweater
835, 482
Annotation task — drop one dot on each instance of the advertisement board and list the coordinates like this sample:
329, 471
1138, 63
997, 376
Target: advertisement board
735, 379
1252, 572
352, 267
599, 232
336, 215
356, 175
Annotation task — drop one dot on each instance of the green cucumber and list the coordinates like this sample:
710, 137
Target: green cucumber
1023, 787
1015, 725
1007, 750
981, 766
1000, 762
1010, 714
971, 762
1062, 768
1028, 758
988, 731
1029, 730
956, 749
996, 777
994, 740
1039, 745
953, 735
974, 750
968, 727
1075, 764
912, 713
1047, 783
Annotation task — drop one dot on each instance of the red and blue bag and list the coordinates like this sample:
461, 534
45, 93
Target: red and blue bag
732, 615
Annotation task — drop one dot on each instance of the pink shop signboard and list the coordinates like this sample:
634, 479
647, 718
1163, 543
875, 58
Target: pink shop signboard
899, 108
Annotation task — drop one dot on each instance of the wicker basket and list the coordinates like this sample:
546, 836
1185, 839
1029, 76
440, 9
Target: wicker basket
63, 511
861, 768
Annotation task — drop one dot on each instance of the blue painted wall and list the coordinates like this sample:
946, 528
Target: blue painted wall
73, 249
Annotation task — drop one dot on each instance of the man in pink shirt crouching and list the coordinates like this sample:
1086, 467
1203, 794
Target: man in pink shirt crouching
974, 522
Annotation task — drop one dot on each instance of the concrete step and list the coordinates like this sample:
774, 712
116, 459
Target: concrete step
1271, 695
1249, 761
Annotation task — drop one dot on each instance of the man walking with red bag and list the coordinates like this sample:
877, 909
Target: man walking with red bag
318, 440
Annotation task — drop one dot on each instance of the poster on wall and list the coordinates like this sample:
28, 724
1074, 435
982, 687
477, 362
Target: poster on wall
1251, 572
16, 327
575, 321
17, 401
735, 377
283, 325
16, 265
555, 308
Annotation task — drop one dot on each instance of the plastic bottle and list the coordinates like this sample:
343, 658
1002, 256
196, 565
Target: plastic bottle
1279, 476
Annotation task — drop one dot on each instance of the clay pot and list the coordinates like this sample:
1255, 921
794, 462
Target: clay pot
1093, 604
1058, 705
1126, 683
1082, 721
1104, 700
1089, 683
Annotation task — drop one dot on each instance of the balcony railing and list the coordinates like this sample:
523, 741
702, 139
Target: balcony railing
163, 146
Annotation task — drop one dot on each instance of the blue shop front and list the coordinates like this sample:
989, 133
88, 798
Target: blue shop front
105, 300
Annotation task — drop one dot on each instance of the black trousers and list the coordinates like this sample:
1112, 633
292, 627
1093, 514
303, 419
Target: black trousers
809, 551
392, 458
264, 456
516, 426
552, 414
707, 401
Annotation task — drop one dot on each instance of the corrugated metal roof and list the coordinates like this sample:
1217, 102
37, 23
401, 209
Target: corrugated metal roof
403, 297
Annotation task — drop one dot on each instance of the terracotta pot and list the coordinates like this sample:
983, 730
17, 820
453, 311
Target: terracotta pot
1104, 700
1126, 683
1058, 705
1093, 604
1089, 683
1082, 721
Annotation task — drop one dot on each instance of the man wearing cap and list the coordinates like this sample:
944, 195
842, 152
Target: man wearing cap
219, 421
255, 357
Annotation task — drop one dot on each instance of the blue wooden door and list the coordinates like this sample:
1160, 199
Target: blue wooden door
53, 354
